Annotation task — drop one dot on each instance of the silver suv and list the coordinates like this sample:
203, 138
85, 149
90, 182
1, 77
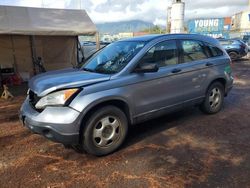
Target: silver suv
125, 83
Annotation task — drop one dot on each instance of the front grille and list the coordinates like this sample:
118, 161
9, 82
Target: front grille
33, 98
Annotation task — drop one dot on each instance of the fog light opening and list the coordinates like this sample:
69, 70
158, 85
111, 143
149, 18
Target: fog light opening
47, 133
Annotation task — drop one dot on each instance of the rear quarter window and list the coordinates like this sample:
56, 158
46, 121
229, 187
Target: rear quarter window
215, 51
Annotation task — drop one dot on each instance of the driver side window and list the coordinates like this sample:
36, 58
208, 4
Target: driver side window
163, 54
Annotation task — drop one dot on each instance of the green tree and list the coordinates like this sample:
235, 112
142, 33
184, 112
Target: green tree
154, 30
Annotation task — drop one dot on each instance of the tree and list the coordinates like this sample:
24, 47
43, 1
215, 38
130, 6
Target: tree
154, 30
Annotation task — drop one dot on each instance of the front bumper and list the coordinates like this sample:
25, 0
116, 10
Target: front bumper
59, 124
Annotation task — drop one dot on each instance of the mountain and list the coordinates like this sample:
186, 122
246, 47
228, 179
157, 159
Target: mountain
123, 26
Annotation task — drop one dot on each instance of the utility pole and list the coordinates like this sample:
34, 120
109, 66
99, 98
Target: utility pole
80, 4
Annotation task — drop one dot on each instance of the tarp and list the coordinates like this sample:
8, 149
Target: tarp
57, 52
28, 33
42, 21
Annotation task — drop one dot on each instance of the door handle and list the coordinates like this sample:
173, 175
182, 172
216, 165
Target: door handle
209, 64
176, 70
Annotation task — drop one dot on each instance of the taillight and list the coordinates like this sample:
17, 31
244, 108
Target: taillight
228, 69
242, 46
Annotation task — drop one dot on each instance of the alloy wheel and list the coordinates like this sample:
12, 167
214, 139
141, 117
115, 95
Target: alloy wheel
107, 131
215, 98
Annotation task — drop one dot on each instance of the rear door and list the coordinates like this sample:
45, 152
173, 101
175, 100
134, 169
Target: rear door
195, 68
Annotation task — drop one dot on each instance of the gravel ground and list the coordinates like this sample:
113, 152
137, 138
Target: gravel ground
185, 149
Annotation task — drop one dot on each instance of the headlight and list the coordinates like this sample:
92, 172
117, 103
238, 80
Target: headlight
58, 98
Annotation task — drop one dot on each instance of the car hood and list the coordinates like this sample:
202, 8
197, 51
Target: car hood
68, 78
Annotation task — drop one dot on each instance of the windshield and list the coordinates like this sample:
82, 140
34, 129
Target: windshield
113, 58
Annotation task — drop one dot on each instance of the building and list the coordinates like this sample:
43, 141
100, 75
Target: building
175, 18
136, 34
214, 27
125, 35
241, 24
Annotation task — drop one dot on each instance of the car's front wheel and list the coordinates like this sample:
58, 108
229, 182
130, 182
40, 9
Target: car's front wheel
214, 98
105, 131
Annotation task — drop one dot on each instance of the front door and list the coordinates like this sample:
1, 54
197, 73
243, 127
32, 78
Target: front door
156, 92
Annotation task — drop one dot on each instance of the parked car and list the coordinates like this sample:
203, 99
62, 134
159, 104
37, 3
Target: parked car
235, 48
127, 82
246, 39
88, 48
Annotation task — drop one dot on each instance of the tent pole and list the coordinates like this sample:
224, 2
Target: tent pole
14, 54
33, 53
77, 50
97, 37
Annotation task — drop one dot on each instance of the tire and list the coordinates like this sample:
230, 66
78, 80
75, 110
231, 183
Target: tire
105, 131
67, 146
233, 55
214, 99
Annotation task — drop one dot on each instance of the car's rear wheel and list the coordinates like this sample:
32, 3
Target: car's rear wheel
214, 98
104, 131
233, 55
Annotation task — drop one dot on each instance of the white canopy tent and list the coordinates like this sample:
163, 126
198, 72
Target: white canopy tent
52, 34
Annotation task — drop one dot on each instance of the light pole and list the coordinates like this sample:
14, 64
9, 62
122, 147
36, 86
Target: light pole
80, 4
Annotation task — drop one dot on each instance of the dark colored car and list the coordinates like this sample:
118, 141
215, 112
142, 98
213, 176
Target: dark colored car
235, 48
125, 83
246, 39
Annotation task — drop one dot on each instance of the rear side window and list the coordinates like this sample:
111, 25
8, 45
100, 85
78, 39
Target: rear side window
193, 51
213, 50
163, 54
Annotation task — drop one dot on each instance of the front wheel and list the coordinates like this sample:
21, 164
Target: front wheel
214, 99
104, 131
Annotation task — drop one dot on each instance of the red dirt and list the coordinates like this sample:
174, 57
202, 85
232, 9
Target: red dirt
185, 149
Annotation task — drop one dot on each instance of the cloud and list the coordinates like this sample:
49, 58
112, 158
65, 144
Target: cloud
21, 3
154, 11
113, 10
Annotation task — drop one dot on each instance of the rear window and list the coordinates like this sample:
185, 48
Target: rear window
226, 42
231, 42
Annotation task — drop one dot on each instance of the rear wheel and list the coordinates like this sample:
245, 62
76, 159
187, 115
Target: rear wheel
233, 55
214, 99
104, 131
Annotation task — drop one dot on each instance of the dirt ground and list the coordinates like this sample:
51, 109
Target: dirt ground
185, 149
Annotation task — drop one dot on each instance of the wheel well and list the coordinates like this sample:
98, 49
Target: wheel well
233, 51
117, 103
221, 80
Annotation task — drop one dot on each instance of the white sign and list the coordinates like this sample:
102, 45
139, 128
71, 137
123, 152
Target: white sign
207, 23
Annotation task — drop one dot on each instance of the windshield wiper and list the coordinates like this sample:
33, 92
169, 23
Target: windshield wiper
88, 70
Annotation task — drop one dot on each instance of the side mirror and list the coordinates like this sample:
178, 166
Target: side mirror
147, 68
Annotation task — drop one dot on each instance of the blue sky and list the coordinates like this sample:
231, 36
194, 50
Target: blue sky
147, 10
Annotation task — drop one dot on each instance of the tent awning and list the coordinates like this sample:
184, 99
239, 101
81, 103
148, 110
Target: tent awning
42, 21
